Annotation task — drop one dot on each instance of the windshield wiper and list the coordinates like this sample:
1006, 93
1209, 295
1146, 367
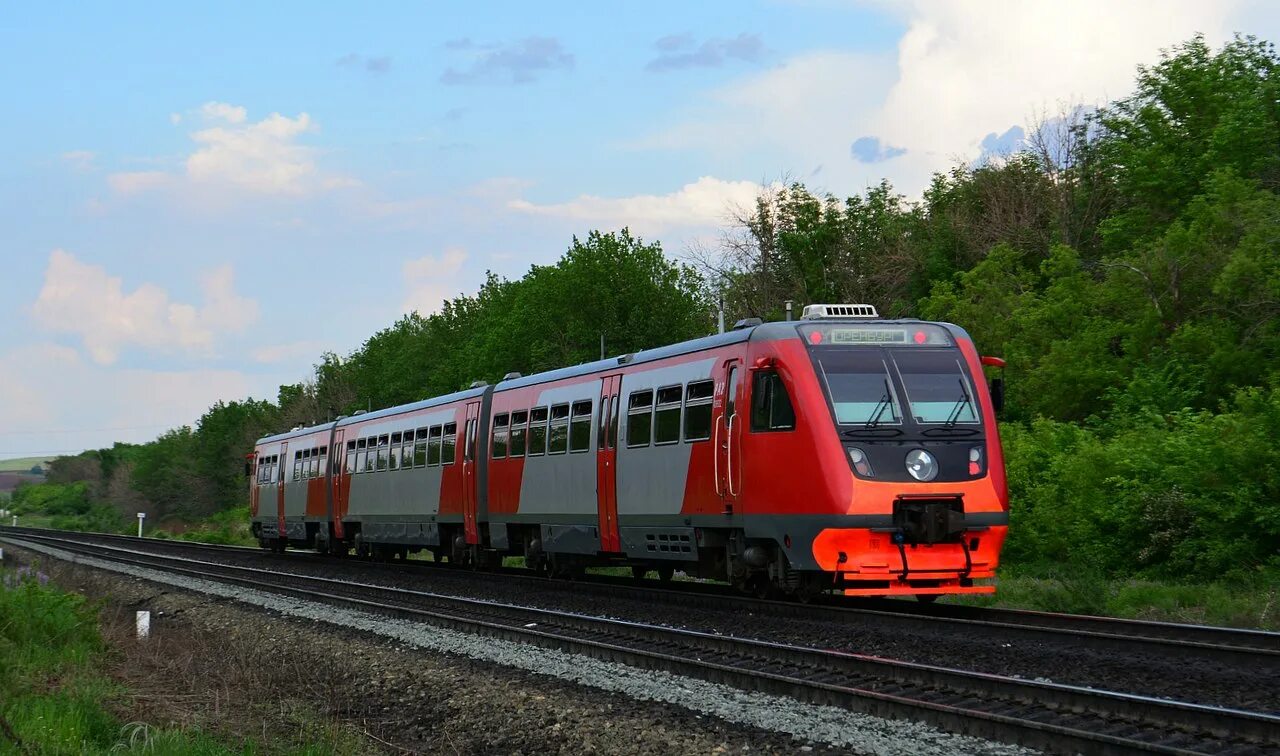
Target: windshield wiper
950, 432
954, 416
859, 432
881, 406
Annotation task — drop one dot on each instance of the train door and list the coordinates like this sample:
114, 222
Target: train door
251, 464
470, 457
337, 455
606, 464
280, 478
728, 436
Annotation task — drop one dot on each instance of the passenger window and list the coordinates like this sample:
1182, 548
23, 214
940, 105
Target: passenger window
501, 432
321, 464
420, 449
297, 465
406, 451
433, 449
448, 448
771, 408
519, 426
395, 451
537, 431
666, 422
362, 455
384, 453
640, 418
315, 463
558, 433
580, 427
697, 410
351, 457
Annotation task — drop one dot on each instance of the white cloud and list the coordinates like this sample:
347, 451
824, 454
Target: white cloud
234, 156
297, 350
707, 201
966, 69
963, 69
138, 181
81, 160
432, 279
82, 299
221, 111
57, 403
260, 157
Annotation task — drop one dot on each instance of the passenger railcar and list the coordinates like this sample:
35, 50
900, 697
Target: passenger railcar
840, 451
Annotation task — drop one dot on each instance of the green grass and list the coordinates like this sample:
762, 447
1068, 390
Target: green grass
229, 527
1250, 601
54, 685
22, 464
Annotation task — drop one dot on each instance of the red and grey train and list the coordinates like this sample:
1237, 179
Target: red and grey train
840, 452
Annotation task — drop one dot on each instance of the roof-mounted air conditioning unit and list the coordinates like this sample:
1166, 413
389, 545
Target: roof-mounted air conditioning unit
820, 311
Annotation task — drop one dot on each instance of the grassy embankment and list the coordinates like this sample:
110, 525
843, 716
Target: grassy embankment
1249, 601
58, 696
21, 465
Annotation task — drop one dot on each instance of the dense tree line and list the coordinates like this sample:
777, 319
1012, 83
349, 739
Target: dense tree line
1125, 262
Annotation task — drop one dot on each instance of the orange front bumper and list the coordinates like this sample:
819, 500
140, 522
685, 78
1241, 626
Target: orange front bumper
869, 563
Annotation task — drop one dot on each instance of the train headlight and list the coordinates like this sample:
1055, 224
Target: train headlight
921, 465
861, 464
975, 460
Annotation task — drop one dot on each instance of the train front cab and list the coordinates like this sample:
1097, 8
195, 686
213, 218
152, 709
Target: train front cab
898, 485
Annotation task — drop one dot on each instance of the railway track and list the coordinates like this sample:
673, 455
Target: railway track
1245, 649
1047, 716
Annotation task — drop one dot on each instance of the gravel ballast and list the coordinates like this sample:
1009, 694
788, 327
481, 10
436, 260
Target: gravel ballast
1057, 660
806, 725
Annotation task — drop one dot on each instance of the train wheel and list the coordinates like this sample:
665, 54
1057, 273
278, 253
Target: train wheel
639, 572
926, 598
666, 573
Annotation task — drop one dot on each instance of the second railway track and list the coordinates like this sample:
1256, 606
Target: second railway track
1254, 649
1048, 716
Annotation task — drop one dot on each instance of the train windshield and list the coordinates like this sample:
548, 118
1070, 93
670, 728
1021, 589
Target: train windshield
858, 383
937, 388
864, 386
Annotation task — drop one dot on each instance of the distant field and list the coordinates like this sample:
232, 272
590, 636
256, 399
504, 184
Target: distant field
22, 464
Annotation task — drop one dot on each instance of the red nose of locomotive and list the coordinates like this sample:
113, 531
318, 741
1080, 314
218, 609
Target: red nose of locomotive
927, 513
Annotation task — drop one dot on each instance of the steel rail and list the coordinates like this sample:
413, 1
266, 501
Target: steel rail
1049, 716
1252, 649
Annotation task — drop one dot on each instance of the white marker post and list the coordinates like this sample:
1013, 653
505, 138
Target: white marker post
144, 625
141, 516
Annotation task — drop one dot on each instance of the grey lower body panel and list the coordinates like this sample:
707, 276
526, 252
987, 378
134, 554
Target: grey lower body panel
400, 533
660, 543
571, 539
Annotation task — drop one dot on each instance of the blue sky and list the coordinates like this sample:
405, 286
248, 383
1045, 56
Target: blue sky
196, 202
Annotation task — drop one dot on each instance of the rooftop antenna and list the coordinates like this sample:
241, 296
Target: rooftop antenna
602, 345
788, 309
720, 311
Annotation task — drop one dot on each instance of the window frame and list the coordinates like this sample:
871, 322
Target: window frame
384, 453
500, 435
698, 402
420, 447
519, 429
577, 419
449, 442
540, 428
676, 405
634, 410
774, 378
558, 423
